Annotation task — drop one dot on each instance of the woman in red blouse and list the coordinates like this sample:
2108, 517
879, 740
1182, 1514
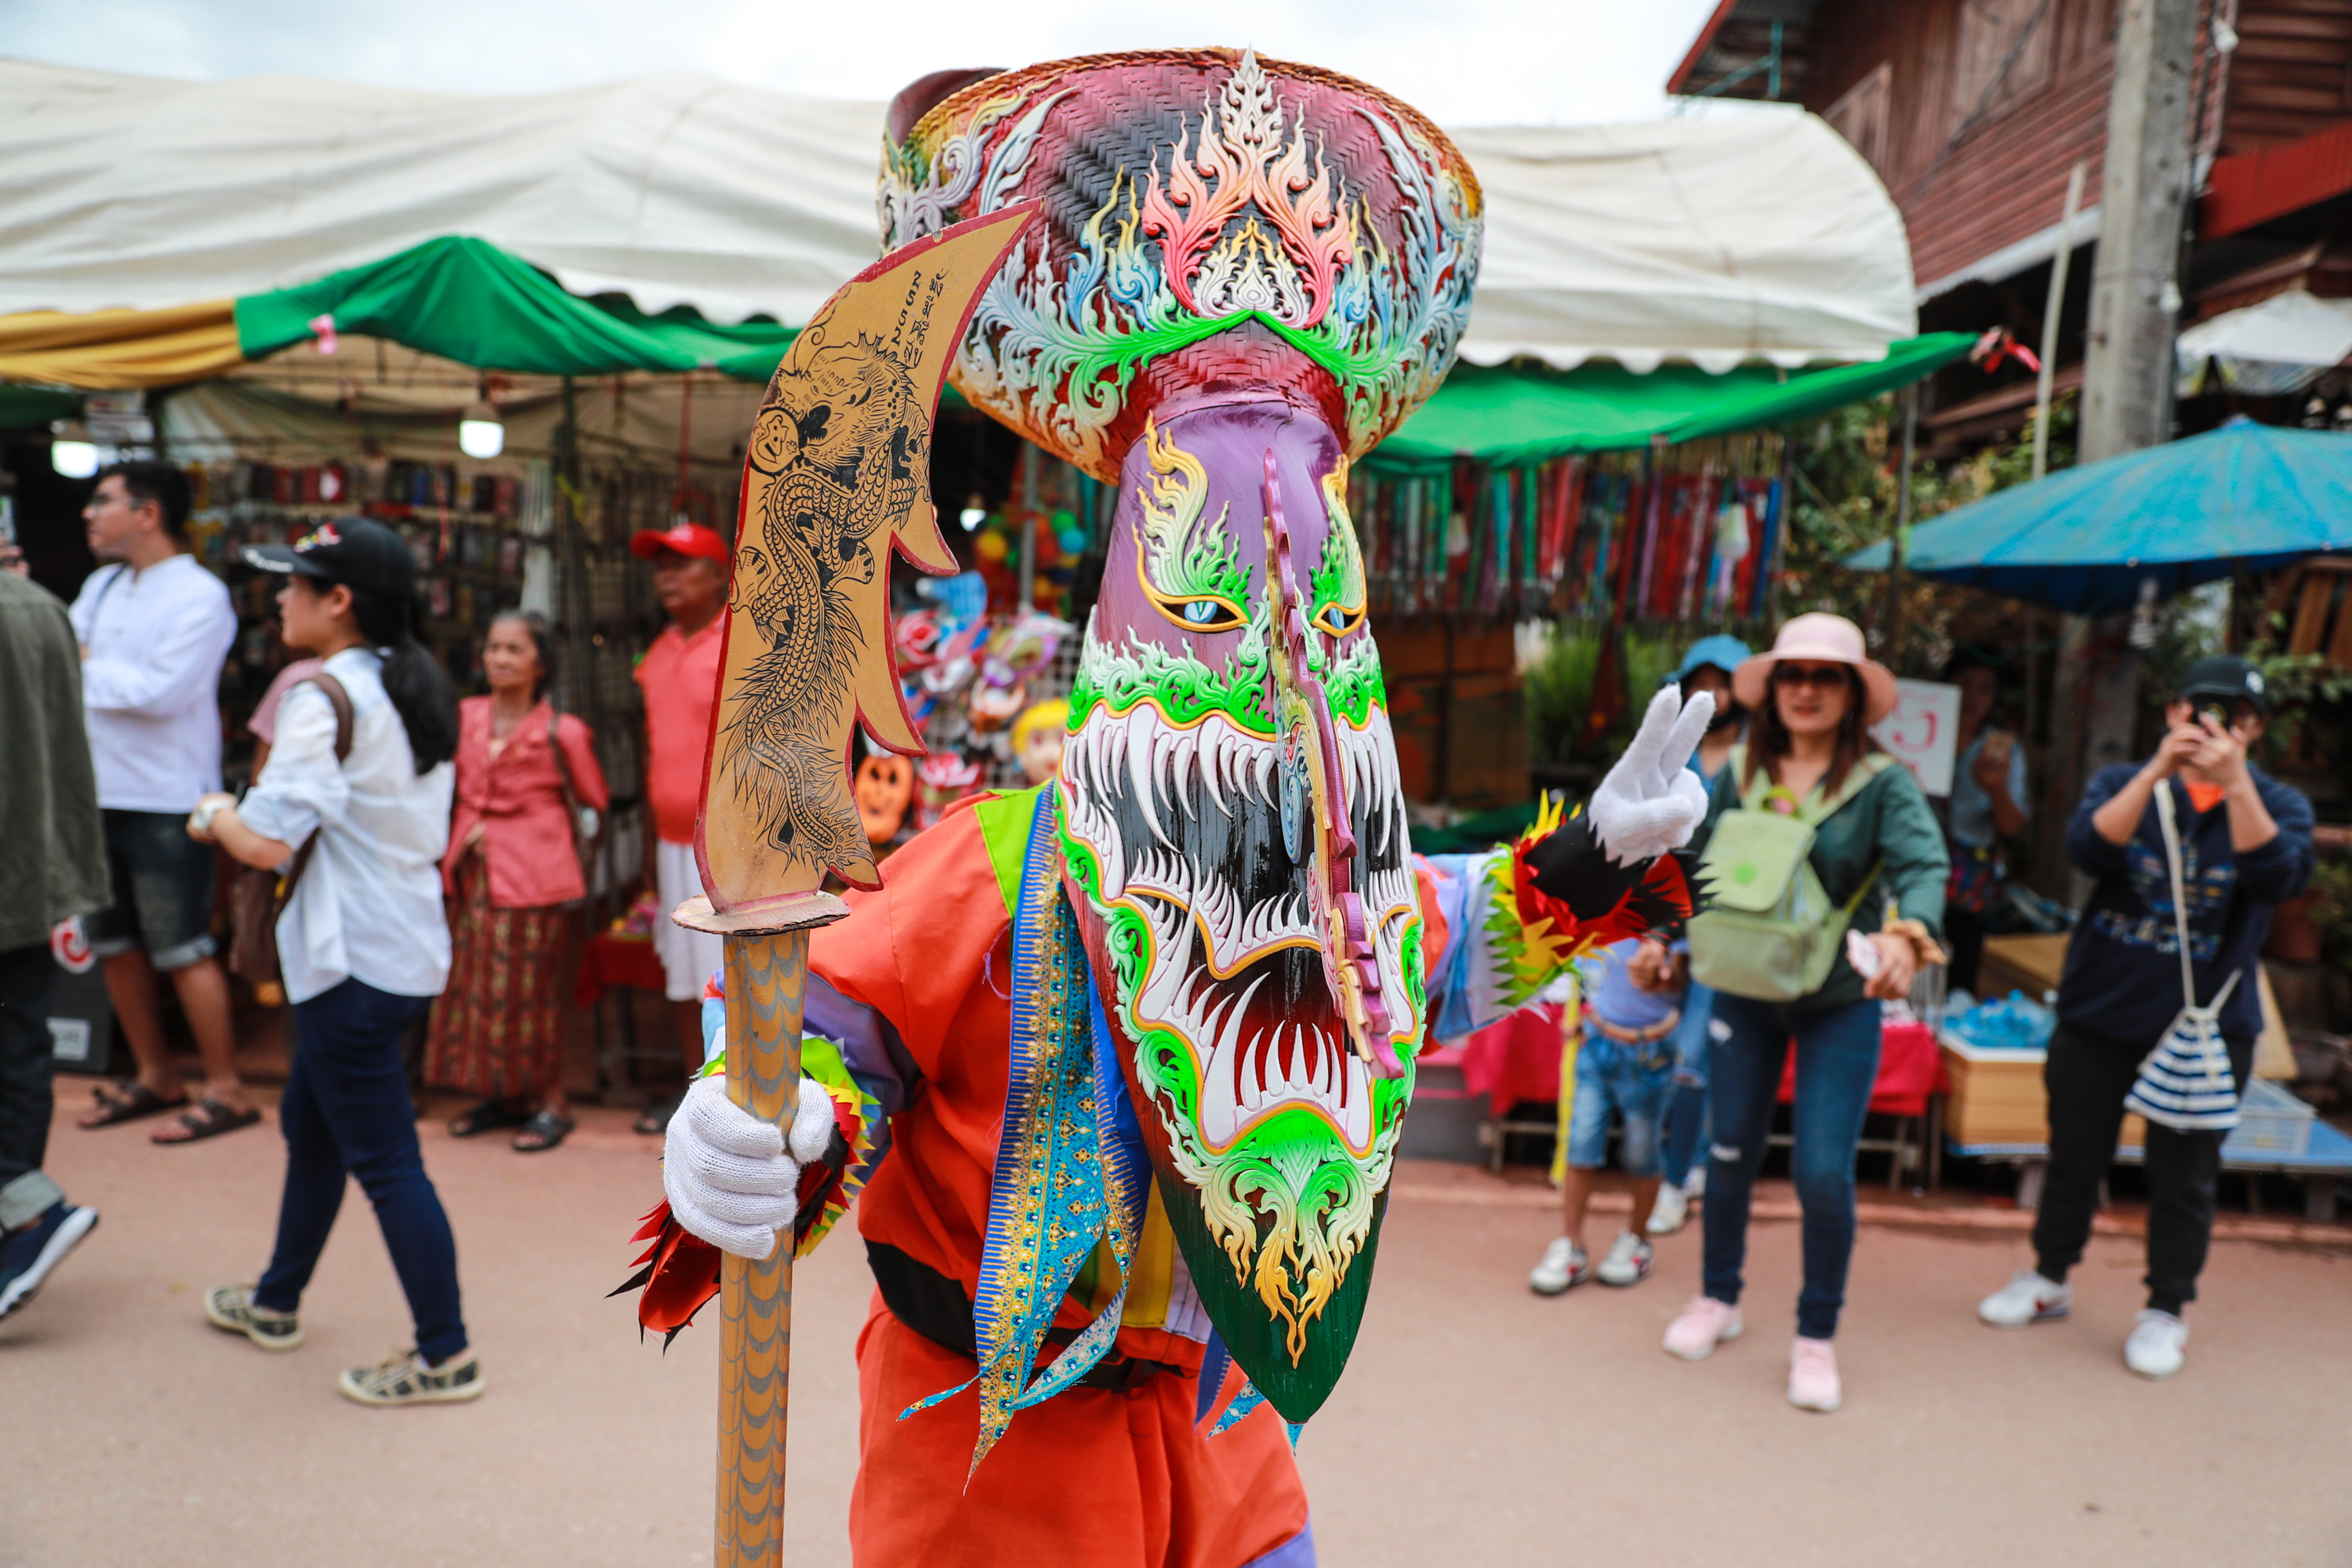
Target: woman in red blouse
511, 869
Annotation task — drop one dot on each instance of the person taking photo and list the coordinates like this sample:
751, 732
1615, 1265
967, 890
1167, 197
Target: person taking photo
2243, 848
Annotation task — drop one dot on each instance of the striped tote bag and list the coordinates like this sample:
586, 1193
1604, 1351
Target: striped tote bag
2186, 1081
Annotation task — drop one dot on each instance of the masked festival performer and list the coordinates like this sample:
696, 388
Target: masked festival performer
1117, 1064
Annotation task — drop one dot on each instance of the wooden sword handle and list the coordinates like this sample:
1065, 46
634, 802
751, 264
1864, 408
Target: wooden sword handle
767, 987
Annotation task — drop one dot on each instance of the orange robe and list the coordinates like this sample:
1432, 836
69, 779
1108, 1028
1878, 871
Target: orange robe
1092, 1477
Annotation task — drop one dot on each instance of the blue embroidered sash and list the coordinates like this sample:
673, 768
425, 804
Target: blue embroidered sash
1070, 1168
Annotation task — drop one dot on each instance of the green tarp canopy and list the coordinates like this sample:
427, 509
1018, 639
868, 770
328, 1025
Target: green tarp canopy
1506, 416
33, 407
465, 299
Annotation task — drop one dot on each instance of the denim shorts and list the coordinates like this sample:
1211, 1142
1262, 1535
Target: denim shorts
163, 891
1633, 1081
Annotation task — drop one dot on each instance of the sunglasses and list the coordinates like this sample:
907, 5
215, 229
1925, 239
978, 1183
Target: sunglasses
1821, 675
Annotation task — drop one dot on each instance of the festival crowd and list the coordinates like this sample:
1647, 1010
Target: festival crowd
403, 856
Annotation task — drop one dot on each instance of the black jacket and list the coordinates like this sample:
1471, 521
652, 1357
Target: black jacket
2122, 978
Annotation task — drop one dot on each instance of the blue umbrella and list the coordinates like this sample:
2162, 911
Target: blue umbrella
2192, 511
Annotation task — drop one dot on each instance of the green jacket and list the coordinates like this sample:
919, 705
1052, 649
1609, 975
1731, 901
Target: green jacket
52, 849
1882, 821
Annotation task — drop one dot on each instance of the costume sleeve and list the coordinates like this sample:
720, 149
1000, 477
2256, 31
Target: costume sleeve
1532, 906
883, 987
678, 1271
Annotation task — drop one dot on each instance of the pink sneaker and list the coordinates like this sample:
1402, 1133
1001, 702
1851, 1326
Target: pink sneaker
1814, 1375
1701, 1326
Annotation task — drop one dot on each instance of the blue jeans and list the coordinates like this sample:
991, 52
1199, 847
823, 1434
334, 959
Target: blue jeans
1837, 1064
1686, 1106
347, 1112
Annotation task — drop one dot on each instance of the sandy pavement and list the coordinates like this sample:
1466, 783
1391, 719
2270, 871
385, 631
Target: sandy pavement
1477, 1424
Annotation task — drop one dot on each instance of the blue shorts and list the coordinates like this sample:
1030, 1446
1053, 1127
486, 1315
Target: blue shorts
163, 890
1631, 1080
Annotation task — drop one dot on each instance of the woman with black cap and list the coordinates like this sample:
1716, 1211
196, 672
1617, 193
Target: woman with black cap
362, 940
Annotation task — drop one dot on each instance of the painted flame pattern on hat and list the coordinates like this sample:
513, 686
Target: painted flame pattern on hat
1212, 218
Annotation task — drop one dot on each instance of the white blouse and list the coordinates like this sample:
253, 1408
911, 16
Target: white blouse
368, 907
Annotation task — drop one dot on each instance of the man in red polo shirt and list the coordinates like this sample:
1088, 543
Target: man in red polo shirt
679, 677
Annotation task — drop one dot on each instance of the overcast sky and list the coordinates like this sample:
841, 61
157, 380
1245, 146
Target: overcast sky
1462, 62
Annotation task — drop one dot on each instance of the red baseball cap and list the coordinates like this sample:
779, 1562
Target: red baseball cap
686, 538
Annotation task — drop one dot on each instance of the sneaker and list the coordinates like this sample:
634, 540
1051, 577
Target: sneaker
1694, 1185
1564, 1264
1703, 1325
28, 1255
1669, 1213
2028, 1298
1814, 1375
1628, 1262
2156, 1344
406, 1379
231, 1307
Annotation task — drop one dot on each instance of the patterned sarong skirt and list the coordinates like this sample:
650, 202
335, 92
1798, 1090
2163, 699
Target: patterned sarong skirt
497, 1029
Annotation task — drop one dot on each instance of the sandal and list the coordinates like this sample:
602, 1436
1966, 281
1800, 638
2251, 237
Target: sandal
126, 1099
487, 1116
653, 1120
546, 1128
208, 1118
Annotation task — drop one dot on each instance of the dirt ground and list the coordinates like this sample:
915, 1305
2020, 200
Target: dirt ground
1476, 1424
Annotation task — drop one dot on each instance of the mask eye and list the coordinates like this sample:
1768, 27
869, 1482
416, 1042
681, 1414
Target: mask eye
1339, 620
1297, 803
1203, 614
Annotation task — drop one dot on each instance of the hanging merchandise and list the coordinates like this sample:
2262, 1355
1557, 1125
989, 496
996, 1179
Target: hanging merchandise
1677, 536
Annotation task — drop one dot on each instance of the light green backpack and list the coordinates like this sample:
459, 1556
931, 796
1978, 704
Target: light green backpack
1770, 933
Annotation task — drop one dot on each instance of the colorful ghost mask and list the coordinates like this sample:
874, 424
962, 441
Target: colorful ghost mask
1250, 273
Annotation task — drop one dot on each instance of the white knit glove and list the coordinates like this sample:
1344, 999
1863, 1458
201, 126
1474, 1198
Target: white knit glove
732, 1179
1651, 801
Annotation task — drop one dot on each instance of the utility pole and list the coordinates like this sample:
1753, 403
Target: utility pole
2128, 372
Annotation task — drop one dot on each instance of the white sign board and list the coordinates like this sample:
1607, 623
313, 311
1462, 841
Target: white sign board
1923, 731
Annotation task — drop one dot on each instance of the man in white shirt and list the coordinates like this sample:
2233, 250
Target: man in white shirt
154, 626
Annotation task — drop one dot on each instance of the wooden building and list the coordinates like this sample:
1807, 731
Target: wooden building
1974, 111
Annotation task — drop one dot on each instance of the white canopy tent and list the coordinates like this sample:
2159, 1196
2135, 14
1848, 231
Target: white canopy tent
2267, 350
1711, 241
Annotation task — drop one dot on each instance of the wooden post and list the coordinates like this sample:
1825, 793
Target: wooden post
1894, 617
2051, 309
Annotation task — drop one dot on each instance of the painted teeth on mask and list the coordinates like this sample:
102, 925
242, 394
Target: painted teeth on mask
1290, 1063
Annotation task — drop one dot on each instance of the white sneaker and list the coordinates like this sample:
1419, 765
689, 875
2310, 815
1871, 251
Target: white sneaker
1694, 1185
1669, 1213
1564, 1264
2028, 1298
1628, 1262
2158, 1345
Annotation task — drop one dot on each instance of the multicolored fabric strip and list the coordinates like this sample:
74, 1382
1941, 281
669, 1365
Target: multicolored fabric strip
1070, 1170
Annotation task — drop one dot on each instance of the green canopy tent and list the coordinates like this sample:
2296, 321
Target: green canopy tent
1511, 416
